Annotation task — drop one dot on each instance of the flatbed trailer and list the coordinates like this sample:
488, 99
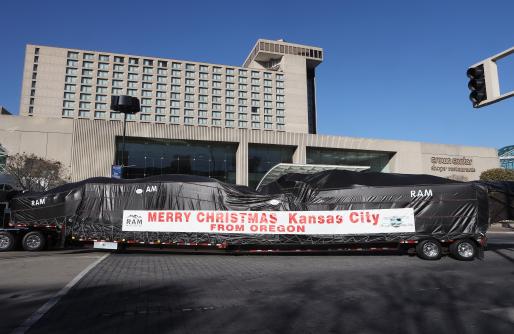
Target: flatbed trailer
451, 217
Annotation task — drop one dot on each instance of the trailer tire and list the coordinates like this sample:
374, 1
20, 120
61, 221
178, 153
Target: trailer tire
33, 241
7, 241
429, 249
463, 250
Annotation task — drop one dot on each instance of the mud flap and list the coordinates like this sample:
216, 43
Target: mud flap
480, 254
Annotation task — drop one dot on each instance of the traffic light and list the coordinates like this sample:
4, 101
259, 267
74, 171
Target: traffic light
477, 84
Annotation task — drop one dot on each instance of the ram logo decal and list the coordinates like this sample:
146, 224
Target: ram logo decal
134, 220
37, 202
421, 193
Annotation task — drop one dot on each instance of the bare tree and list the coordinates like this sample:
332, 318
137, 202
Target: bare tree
34, 173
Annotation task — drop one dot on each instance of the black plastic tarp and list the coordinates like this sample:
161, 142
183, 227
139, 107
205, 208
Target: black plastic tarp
93, 208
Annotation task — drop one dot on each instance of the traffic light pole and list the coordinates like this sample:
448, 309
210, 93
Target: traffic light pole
484, 83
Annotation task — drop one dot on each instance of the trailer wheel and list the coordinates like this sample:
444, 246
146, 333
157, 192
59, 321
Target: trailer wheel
429, 249
7, 241
463, 250
33, 241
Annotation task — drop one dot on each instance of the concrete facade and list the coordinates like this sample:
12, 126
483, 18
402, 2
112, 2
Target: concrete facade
268, 93
88, 146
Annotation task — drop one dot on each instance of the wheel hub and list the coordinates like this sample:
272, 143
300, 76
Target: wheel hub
430, 249
33, 241
465, 250
4, 241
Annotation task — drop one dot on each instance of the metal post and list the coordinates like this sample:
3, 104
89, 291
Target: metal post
123, 144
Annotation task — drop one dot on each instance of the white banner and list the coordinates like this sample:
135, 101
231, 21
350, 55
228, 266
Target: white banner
272, 222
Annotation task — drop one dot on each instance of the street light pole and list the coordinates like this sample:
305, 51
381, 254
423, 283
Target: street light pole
126, 105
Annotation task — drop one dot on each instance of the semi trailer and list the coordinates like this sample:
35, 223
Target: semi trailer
330, 210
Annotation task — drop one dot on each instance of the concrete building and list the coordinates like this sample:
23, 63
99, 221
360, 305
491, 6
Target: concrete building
506, 155
228, 122
71, 83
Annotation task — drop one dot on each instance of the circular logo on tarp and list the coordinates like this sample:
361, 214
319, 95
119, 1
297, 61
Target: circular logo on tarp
274, 202
139, 191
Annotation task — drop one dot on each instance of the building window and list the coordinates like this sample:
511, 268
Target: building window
101, 90
202, 121
229, 123
73, 55
101, 98
85, 97
83, 113
99, 114
147, 156
176, 65
261, 158
242, 124
133, 61
103, 58
103, 66
115, 115
174, 119
160, 118
67, 112
376, 160
69, 88
190, 67
145, 117
162, 63
189, 120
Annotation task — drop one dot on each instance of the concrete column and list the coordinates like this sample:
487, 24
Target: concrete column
242, 159
300, 154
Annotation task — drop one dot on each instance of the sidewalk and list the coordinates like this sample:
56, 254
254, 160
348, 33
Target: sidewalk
502, 227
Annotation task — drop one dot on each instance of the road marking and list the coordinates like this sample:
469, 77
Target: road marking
25, 326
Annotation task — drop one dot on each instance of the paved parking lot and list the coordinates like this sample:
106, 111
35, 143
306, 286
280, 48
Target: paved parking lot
181, 293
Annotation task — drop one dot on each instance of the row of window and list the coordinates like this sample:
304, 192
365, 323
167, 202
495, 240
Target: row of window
173, 119
104, 67
255, 105
88, 59
118, 78
69, 94
33, 83
162, 89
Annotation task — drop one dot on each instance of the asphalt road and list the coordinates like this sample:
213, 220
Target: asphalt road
190, 293
29, 280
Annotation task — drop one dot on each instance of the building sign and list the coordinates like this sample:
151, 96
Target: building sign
452, 164
272, 222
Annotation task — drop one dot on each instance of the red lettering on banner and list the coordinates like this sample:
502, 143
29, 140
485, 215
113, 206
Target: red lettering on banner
161, 217
354, 217
273, 218
200, 217
375, 217
152, 216
209, 217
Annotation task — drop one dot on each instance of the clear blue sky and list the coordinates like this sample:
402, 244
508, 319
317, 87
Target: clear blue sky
392, 69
